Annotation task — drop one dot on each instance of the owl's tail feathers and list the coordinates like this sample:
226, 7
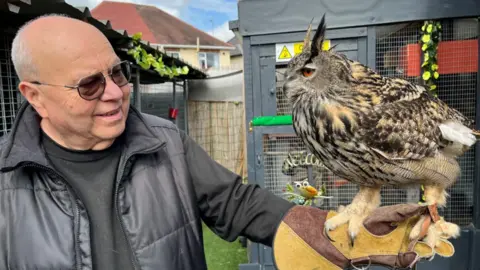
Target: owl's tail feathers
458, 133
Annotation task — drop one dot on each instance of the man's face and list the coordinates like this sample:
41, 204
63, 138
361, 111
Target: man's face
102, 118
65, 113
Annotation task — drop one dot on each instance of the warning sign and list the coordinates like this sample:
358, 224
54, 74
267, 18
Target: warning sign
297, 48
284, 52
326, 45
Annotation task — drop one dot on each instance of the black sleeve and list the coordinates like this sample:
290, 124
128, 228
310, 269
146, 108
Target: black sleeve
229, 207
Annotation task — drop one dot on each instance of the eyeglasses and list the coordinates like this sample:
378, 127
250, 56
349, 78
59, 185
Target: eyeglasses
93, 86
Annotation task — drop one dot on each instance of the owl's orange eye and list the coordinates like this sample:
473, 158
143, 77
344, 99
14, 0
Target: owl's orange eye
307, 72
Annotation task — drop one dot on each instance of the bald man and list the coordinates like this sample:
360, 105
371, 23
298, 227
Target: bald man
88, 182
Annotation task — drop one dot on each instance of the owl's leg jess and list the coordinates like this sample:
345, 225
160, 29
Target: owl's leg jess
435, 196
366, 200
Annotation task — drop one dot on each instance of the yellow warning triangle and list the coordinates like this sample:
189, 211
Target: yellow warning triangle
285, 54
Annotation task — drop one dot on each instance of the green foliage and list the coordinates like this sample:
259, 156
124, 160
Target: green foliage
431, 32
147, 60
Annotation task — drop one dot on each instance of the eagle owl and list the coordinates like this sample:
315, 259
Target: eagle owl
373, 131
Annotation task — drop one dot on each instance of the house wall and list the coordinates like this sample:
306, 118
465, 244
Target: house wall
191, 56
224, 59
236, 61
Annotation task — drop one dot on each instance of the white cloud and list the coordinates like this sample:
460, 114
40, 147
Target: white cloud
222, 32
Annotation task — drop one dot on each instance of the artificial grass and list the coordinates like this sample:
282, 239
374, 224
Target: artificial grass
221, 254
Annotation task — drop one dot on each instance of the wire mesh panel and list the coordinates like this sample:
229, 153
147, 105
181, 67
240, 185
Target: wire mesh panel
398, 54
396, 48
157, 99
457, 86
10, 97
276, 149
283, 108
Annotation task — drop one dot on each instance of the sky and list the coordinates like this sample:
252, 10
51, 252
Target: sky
211, 16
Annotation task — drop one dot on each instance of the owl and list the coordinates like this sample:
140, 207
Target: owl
375, 131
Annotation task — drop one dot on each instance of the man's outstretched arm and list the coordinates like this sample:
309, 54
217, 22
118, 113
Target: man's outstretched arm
229, 207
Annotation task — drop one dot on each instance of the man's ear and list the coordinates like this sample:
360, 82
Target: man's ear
34, 96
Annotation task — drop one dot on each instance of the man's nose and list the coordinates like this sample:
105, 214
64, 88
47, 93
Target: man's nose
112, 91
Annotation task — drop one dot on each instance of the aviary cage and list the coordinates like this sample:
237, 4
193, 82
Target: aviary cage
385, 41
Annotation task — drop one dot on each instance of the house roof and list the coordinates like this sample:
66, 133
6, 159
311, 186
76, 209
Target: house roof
156, 25
234, 42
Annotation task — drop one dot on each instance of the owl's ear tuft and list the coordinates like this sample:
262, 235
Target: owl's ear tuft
306, 41
318, 38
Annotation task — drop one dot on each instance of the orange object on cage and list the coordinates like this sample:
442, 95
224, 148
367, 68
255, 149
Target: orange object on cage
458, 56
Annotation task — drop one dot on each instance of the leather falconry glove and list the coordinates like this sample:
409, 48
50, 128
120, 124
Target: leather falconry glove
383, 240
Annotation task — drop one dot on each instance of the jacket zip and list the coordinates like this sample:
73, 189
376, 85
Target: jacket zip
117, 185
76, 217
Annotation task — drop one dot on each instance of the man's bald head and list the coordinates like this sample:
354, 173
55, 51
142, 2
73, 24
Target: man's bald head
40, 45
60, 53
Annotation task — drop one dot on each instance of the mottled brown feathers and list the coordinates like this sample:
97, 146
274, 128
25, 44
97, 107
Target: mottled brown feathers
368, 128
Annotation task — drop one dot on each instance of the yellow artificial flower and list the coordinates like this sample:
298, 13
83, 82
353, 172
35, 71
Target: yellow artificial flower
429, 28
436, 75
426, 75
433, 87
434, 67
424, 47
426, 38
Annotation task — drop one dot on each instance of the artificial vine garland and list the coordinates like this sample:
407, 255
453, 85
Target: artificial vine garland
147, 60
431, 32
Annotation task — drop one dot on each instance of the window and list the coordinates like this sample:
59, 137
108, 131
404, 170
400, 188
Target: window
207, 60
174, 54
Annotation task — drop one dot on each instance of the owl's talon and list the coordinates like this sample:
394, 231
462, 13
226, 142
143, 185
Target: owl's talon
325, 233
352, 240
447, 230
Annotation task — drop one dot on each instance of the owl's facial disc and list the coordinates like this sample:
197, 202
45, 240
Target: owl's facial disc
299, 78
